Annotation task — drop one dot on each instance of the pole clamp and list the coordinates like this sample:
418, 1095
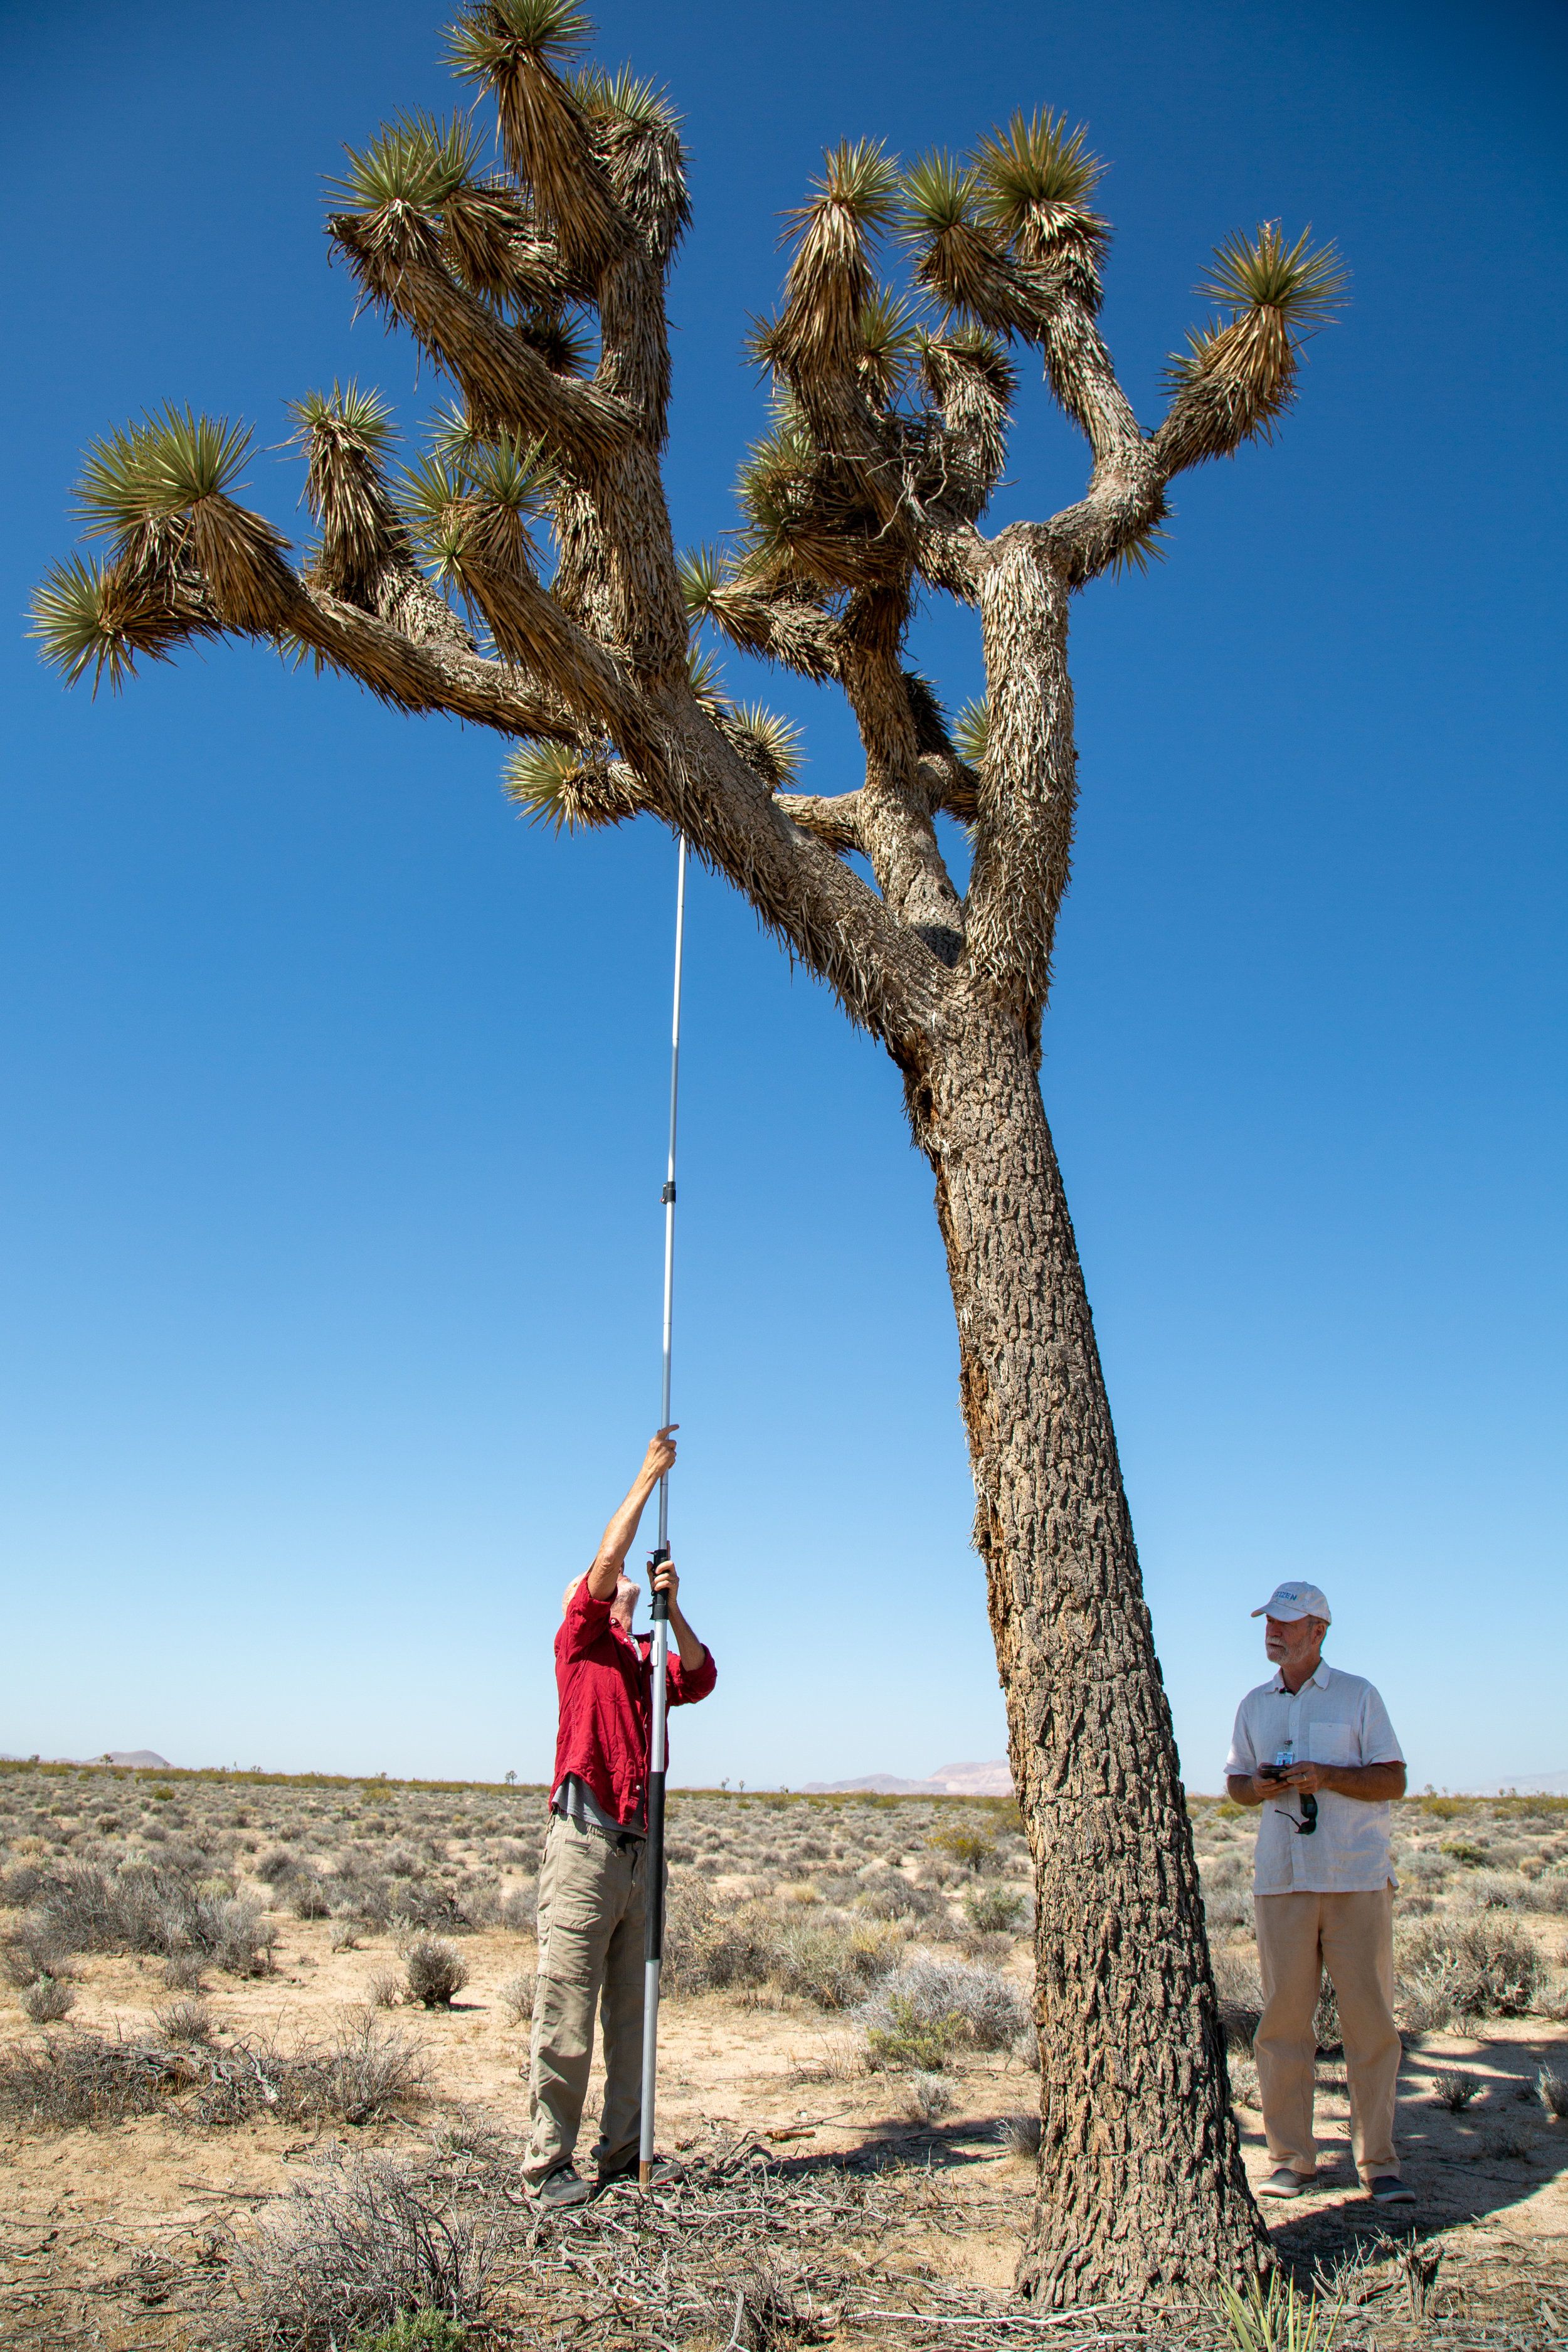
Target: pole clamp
667, 1195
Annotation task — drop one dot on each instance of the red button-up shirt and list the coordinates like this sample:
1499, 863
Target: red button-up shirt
605, 1678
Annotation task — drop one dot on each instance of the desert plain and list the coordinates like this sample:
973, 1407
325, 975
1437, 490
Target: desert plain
263, 2058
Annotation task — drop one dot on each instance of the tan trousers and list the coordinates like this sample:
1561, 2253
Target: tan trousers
1351, 1936
590, 1953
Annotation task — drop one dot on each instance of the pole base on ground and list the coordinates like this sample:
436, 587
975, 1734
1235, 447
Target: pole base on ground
645, 2175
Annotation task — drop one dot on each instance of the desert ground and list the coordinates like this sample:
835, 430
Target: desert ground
264, 2041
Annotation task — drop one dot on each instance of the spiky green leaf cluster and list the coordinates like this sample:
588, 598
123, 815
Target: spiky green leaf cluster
87, 615
364, 418
490, 34
413, 161
539, 778
765, 741
972, 733
702, 572
623, 98
150, 472
1305, 284
1238, 374
1035, 173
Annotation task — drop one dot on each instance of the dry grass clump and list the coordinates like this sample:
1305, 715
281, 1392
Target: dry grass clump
365, 2247
90, 2078
47, 2000
516, 1997
1455, 2089
1551, 2089
435, 1972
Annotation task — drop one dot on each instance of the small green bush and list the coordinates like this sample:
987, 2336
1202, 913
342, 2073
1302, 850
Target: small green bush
995, 1910
912, 2038
414, 2331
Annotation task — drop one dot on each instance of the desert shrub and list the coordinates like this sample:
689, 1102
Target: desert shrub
831, 1963
279, 1865
1490, 1967
20, 1884
1453, 2089
184, 2021
1243, 2088
418, 2331
309, 1898
365, 2246
435, 1971
1551, 2089
429, 1907
385, 1988
1240, 1989
1326, 2027
1226, 1907
47, 2000
518, 1910
957, 2002
713, 1948
1021, 2135
141, 1908
900, 2035
183, 1972
995, 1910
36, 1950
972, 1847
517, 1997
927, 2099
95, 2079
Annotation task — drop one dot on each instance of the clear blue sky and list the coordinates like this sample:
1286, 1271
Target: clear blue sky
333, 1093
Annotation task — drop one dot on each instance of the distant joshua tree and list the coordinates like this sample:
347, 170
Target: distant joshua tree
539, 292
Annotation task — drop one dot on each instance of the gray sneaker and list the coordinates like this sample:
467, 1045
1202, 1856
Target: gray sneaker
1389, 2189
560, 2188
1286, 2183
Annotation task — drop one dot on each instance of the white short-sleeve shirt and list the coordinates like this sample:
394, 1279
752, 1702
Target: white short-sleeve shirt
1333, 1719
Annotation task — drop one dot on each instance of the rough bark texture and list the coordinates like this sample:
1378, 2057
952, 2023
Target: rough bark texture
1140, 2181
866, 495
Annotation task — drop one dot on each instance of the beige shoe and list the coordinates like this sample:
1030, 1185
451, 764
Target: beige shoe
1286, 2183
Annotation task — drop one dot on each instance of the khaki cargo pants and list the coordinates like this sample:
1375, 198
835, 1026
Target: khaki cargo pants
1351, 1936
591, 1889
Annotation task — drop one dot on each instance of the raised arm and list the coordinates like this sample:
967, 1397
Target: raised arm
621, 1534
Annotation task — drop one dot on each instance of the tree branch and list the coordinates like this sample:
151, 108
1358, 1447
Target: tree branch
507, 386
834, 822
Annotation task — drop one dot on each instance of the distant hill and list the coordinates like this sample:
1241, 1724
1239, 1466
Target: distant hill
142, 1756
1525, 1784
947, 1781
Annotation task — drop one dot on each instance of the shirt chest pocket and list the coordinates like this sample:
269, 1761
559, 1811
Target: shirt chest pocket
1331, 1743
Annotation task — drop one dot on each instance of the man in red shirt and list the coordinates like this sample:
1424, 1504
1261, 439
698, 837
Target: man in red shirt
593, 1878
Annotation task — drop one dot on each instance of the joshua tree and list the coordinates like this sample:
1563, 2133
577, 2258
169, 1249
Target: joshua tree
539, 291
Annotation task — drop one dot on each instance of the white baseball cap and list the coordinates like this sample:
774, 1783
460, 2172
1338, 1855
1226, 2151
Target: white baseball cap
1288, 1602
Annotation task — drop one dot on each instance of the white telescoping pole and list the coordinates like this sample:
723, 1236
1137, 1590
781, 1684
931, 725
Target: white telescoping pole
653, 1948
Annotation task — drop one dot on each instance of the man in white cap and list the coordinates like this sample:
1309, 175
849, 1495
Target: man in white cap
1315, 1749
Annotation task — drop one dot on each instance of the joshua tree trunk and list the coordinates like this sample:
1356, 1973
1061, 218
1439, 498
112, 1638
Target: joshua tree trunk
889, 438
1141, 2182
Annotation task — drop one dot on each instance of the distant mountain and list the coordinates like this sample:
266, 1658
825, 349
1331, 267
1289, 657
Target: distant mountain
1525, 1784
142, 1756
947, 1781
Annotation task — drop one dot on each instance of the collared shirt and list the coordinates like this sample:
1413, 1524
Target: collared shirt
1333, 1719
605, 1678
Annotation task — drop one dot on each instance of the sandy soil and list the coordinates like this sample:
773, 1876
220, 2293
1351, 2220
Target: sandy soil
99, 2227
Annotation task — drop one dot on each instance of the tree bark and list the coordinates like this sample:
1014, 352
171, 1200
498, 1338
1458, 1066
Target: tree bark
1141, 2187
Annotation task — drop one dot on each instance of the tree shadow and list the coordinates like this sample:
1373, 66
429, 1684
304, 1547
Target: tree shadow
1500, 2151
